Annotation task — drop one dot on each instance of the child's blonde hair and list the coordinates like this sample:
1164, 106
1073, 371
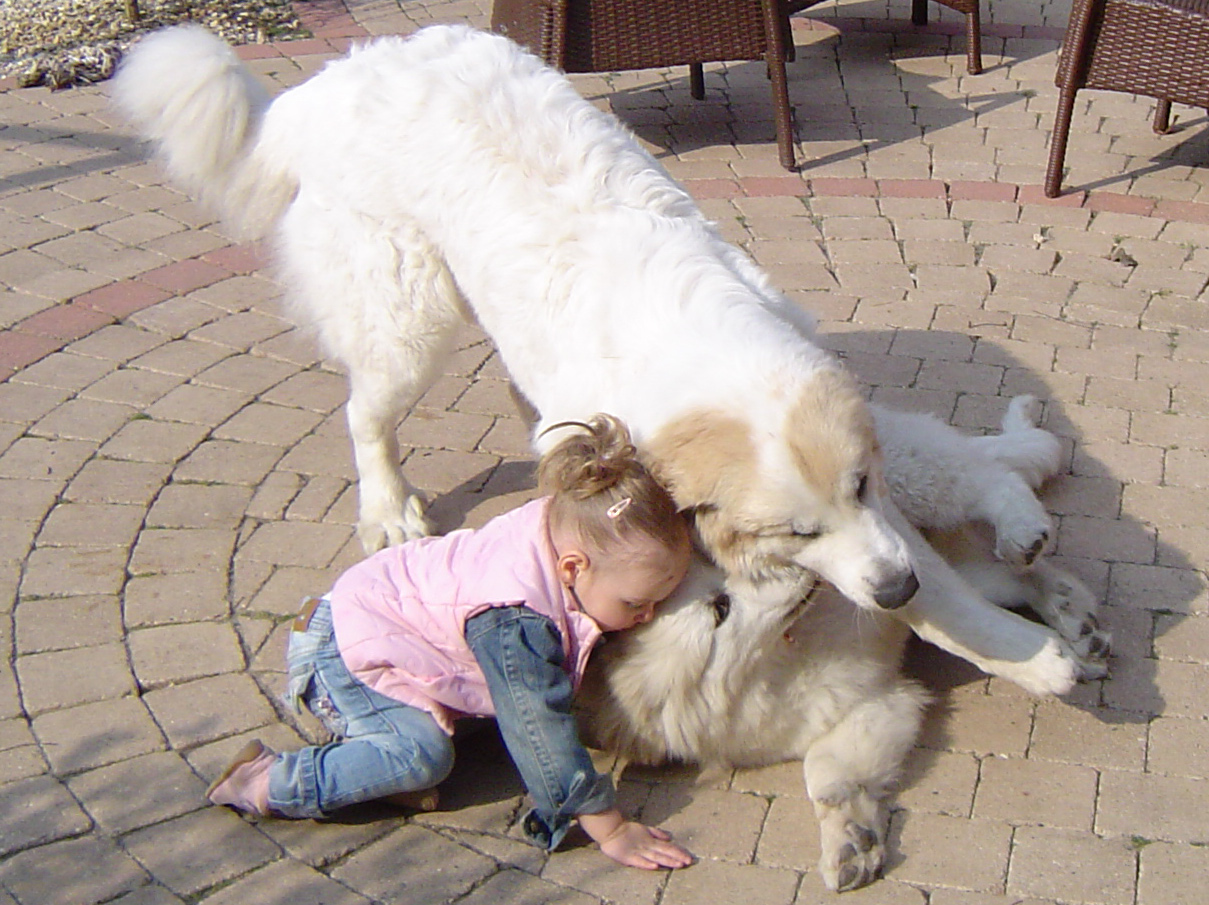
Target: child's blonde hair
601, 491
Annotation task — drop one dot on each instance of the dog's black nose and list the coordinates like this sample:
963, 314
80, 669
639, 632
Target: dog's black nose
891, 597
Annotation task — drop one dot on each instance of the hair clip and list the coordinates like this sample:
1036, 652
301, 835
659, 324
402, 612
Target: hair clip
619, 507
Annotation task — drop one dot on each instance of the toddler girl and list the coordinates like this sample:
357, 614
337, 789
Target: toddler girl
493, 622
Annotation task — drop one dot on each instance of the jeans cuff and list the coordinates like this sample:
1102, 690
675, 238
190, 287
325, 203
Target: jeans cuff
589, 794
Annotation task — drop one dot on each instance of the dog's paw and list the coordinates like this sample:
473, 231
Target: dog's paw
1069, 608
1020, 540
376, 533
1055, 669
853, 838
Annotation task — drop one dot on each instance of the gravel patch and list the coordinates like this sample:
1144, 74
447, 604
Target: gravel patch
59, 43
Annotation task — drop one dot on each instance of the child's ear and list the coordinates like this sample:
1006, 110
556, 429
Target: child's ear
570, 565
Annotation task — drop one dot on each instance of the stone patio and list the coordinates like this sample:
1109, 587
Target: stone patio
175, 475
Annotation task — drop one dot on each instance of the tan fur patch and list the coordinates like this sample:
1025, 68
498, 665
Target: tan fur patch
700, 456
830, 433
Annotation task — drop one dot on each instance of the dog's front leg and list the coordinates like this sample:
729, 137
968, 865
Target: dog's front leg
948, 612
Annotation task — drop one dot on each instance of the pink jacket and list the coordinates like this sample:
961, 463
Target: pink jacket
400, 615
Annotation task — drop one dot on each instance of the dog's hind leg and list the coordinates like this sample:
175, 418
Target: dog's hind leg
942, 478
1019, 460
849, 772
386, 305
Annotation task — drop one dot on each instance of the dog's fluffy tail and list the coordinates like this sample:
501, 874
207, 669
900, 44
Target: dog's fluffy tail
186, 91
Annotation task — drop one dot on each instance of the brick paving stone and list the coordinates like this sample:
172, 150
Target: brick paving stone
72, 872
1072, 866
1034, 792
271, 424
84, 419
163, 655
37, 811
285, 882
939, 782
1152, 806
727, 882
110, 481
91, 525
110, 794
97, 734
981, 725
1097, 737
194, 852
295, 544
441, 870
924, 844
581, 869
721, 825
194, 404
225, 461
1170, 874
186, 505
67, 622
73, 571
202, 711
790, 836
166, 550
25, 501
1178, 747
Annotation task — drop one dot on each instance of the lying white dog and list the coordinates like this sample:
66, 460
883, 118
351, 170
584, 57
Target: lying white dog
451, 175
729, 673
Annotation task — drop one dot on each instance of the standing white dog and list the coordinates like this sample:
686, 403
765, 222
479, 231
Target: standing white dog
420, 182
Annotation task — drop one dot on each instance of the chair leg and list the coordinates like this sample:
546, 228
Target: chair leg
1057, 142
1162, 117
696, 80
919, 12
782, 113
974, 41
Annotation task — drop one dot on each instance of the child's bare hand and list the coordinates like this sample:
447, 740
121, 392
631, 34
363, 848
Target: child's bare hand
647, 847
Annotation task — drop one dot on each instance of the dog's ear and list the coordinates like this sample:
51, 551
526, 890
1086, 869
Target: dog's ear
703, 458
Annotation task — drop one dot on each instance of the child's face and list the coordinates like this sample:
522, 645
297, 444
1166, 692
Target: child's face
621, 591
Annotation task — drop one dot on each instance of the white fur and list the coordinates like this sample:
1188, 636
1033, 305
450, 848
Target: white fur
451, 175
761, 680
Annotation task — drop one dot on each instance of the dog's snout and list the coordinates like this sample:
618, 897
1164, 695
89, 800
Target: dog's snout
892, 596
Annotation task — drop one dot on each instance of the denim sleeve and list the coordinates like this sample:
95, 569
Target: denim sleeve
521, 654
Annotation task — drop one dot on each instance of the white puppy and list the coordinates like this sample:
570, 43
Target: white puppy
451, 175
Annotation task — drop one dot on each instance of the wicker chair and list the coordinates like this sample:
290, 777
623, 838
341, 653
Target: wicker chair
611, 35
1158, 48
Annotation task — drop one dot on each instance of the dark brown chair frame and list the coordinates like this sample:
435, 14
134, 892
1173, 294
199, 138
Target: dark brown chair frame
1157, 48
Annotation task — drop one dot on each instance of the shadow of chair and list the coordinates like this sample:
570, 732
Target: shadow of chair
615, 35
1157, 48
919, 16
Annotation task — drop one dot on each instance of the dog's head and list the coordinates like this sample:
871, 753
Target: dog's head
798, 491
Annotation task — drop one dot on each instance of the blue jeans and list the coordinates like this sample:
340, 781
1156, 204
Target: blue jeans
382, 746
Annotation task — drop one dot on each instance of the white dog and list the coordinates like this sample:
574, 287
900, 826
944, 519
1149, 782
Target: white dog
420, 182
731, 673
